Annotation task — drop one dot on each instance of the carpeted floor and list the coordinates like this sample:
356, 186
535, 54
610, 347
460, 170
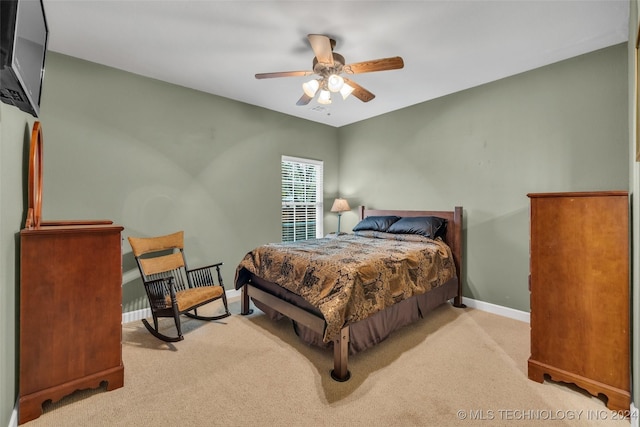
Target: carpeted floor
454, 368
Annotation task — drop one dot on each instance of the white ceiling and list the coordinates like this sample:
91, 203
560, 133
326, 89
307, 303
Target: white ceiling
218, 46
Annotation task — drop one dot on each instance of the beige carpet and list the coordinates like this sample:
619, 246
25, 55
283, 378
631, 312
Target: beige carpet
454, 368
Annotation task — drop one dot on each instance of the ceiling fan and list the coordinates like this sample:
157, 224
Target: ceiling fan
329, 66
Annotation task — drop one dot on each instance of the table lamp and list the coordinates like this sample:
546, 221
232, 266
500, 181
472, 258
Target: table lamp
339, 206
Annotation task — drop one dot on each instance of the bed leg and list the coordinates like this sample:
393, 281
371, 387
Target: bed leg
244, 304
457, 302
341, 356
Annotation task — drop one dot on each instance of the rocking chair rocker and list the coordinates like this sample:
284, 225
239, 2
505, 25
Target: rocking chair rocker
171, 287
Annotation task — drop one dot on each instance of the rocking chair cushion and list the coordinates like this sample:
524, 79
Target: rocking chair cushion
193, 296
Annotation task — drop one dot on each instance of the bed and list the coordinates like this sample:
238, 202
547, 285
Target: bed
351, 291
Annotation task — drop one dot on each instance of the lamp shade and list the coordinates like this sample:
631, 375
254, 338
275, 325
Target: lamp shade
340, 205
346, 90
310, 88
335, 83
325, 97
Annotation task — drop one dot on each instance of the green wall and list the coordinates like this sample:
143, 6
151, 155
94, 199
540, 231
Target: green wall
15, 134
562, 127
155, 157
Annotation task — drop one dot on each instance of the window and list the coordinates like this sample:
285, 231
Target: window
301, 199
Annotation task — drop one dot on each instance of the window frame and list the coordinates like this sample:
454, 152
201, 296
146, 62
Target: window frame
317, 204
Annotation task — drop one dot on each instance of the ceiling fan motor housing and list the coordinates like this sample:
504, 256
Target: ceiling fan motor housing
326, 69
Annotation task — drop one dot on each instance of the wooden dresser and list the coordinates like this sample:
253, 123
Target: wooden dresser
580, 296
70, 312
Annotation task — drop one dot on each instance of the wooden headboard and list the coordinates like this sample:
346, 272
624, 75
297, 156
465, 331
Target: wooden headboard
453, 237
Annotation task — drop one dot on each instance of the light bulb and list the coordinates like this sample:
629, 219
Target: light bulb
346, 91
325, 97
335, 83
310, 88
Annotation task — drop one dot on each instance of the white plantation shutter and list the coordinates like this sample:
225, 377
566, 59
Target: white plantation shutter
301, 199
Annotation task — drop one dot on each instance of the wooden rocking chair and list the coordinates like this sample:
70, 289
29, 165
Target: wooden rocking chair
171, 287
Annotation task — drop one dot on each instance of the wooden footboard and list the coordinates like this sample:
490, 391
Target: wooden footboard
316, 323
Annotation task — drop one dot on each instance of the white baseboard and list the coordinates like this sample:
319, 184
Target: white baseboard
13, 422
233, 295
633, 416
511, 313
132, 316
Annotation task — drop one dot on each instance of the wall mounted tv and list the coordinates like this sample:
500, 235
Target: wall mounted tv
23, 46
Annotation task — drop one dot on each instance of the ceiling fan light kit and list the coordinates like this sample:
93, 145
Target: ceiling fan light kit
329, 65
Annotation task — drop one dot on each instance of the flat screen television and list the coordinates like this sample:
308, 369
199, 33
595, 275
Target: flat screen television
23, 46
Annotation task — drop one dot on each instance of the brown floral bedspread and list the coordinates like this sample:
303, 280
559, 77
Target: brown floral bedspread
351, 277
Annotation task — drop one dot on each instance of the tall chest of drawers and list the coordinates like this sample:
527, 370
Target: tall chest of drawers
580, 292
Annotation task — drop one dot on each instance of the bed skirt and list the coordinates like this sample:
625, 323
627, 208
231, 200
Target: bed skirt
367, 332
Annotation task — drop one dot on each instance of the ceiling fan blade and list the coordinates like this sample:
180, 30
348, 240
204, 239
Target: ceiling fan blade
322, 48
383, 64
283, 74
359, 92
304, 99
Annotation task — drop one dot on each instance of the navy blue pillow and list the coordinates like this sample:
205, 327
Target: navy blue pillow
376, 223
428, 226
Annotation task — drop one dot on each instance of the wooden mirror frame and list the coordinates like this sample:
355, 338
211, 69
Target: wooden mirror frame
34, 209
